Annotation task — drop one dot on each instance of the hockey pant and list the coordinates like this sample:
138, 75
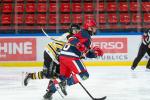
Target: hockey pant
71, 68
50, 69
142, 50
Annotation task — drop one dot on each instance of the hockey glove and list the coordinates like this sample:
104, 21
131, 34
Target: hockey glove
98, 51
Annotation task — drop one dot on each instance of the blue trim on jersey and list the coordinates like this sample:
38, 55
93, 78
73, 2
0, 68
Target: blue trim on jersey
74, 41
90, 54
80, 65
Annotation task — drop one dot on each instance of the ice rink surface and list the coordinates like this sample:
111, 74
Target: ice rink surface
117, 83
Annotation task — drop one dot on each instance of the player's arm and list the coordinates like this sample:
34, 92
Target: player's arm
78, 44
94, 52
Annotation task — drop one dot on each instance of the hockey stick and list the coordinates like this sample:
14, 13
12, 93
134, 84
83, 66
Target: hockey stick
45, 33
50, 37
59, 93
103, 98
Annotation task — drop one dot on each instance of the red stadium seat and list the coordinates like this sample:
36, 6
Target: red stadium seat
77, 18
136, 18
7, 8
0, 9
103, 26
30, 7
124, 18
100, 7
146, 17
112, 18
76, 7
65, 18
18, 19
41, 7
88, 0
64, 27
134, 6
42, 0
30, 19
52, 7
65, 0
52, 19
76, 0
30, 0
102, 18
88, 7
88, 17
146, 6
41, 19
52, 0
65, 7
113, 26
111, 7
19, 7
6, 19
7, 1
20, 0
123, 6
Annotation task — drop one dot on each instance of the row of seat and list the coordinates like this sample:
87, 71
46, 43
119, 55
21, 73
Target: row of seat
7, 1
114, 18
75, 7
54, 27
10, 1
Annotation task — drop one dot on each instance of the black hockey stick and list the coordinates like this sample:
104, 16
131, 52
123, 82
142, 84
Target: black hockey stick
103, 98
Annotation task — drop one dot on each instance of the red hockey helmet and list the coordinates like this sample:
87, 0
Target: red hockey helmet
89, 23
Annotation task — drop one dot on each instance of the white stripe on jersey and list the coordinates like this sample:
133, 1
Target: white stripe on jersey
69, 53
76, 66
83, 65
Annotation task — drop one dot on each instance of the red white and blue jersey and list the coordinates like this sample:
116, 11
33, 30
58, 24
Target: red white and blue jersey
70, 48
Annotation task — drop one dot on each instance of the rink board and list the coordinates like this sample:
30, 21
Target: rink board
119, 50
88, 64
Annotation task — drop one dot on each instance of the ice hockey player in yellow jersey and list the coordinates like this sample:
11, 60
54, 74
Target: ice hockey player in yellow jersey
51, 53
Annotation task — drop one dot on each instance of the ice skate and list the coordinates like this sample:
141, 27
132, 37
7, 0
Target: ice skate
63, 87
147, 70
48, 96
50, 91
27, 78
132, 68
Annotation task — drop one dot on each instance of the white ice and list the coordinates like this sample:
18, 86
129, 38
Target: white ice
117, 83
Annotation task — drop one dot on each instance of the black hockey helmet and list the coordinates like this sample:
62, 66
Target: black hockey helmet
74, 27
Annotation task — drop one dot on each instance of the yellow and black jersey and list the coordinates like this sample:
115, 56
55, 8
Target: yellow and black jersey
53, 49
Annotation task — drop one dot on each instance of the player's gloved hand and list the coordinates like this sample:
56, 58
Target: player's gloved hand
98, 51
81, 47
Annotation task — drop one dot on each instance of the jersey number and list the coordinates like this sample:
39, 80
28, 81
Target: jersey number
66, 47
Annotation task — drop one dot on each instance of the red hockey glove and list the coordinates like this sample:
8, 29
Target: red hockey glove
98, 51
81, 47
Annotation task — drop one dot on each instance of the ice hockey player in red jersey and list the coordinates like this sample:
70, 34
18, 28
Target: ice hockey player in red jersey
51, 64
72, 69
51, 52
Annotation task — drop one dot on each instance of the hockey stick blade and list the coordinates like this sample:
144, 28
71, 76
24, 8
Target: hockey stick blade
103, 98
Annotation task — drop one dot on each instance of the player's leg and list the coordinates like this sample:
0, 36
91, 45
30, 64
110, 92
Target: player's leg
148, 63
47, 71
141, 53
76, 67
64, 71
79, 72
51, 89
